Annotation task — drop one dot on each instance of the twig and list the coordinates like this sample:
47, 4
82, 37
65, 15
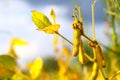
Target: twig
113, 13
87, 38
103, 75
115, 39
64, 38
113, 76
93, 21
109, 48
87, 56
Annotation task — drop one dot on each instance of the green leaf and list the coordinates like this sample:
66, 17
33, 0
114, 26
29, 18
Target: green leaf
43, 23
40, 20
7, 66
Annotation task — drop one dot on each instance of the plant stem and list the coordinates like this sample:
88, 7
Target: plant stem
93, 21
87, 38
64, 38
106, 47
113, 76
103, 75
91, 59
114, 30
101, 44
87, 56
112, 17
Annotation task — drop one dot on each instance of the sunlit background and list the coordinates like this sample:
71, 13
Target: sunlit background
15, 21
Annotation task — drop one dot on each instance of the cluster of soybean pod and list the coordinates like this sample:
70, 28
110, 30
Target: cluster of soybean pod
78, 50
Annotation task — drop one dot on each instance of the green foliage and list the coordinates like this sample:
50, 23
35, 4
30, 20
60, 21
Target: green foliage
50, 64
7, 66
43, 23
113, 9
40, 20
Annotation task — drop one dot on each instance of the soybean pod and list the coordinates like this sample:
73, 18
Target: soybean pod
76, 42
81, 52
94, 73
98, 55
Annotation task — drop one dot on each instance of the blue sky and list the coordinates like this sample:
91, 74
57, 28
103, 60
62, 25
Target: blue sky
15, 21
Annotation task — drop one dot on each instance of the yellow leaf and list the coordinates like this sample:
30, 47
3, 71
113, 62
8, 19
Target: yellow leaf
62, 67
55, 40
66, 51
36, 68
53, 15
18, 41
43, 23
40, 20
52, 29
19, 75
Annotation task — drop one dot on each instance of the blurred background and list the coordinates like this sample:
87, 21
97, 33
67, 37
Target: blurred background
36, 55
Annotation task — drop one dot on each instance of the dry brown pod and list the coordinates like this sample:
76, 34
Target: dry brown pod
98, 53
99, 56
